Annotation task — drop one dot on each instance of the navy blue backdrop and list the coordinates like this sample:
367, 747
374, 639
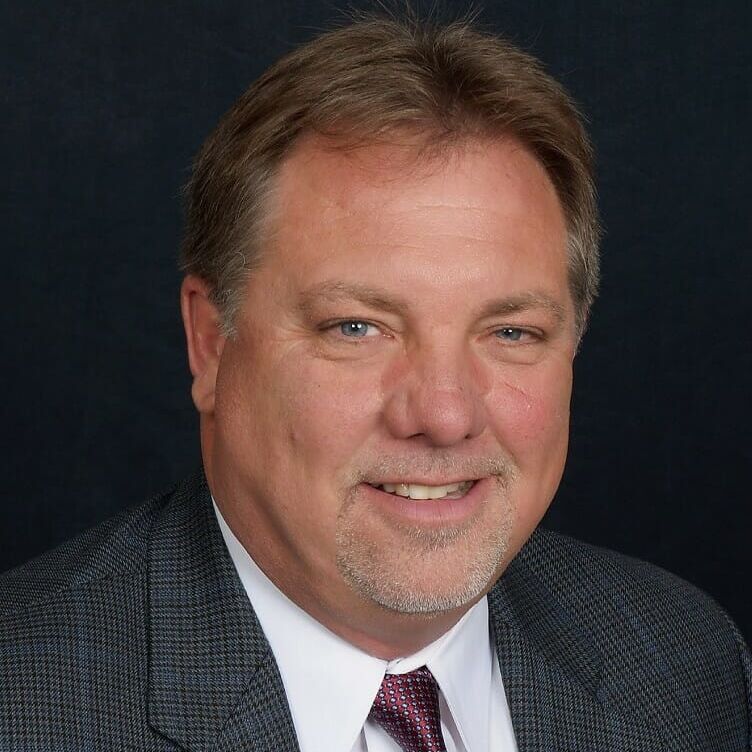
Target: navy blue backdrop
104, 106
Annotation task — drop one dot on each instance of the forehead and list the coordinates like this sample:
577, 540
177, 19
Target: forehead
392, 214
346, 177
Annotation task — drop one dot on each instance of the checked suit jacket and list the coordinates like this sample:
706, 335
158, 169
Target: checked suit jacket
138, 635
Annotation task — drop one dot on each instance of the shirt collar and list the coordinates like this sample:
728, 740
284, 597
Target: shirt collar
324, 675
463, 667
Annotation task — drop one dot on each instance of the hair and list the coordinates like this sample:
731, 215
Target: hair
368, 81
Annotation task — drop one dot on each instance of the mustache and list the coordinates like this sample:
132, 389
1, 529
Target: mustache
439, 464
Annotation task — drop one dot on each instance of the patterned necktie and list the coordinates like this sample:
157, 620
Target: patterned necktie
407, 708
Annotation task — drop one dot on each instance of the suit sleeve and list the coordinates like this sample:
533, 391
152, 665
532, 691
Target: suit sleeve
746, 661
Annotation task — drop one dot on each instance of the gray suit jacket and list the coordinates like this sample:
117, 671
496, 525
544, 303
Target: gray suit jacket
138, 635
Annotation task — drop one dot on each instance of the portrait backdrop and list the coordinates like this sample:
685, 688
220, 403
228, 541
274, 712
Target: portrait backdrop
106, 103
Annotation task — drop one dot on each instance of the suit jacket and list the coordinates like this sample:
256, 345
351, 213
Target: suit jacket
138, 635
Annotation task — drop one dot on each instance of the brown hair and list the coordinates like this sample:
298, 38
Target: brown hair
359, 83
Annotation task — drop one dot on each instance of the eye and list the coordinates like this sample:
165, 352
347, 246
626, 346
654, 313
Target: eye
357, 329
513, 334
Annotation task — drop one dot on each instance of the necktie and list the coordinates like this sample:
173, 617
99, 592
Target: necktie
407, 708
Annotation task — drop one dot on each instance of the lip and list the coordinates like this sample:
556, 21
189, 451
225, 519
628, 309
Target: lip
431, 512
423, 481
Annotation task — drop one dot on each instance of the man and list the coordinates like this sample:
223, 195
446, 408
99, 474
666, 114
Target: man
390, 258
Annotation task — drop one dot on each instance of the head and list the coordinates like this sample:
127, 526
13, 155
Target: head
391, 253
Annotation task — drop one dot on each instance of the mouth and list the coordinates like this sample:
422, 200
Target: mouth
432, 506
423, 492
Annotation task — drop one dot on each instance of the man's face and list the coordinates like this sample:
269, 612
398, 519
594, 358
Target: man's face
410, 333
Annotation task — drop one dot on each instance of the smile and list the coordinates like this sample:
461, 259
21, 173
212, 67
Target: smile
421, 492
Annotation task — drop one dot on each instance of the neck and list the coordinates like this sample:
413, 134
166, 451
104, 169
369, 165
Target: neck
393, 635
370, 627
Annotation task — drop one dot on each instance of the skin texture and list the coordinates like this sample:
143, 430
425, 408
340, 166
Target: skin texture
453, 272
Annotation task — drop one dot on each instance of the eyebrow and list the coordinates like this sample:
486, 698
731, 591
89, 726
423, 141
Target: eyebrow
524, 302
377, 299
334, 291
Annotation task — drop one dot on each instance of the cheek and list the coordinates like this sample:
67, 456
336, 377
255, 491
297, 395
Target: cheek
531, 421
529, 412
329, 410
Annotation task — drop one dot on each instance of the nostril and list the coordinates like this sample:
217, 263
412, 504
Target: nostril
440, 414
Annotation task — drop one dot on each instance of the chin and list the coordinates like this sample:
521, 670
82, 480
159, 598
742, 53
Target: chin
425, 575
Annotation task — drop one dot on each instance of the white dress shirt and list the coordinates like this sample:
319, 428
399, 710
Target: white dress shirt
330, 684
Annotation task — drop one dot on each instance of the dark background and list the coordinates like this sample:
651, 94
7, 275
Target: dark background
104, 106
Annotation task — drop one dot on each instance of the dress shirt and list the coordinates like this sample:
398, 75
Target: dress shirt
330, 684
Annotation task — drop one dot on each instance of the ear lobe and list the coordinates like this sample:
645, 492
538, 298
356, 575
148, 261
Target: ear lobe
201, 321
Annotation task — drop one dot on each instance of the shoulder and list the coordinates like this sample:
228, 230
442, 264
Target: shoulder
643, 642
74, 639
620, 601
608, 586
115, 549
650, 633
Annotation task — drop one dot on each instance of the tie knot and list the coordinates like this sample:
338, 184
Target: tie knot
407, 708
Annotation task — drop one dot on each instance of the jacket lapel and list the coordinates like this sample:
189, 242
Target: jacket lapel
552, 672
213, 682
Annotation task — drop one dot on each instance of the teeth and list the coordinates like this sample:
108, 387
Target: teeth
419, 492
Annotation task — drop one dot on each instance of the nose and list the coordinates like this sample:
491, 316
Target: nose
437, 394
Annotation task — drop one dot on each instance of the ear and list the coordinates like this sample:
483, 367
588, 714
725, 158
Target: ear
205, 341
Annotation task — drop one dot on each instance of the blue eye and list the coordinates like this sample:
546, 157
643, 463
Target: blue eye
510, 334
354, 328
